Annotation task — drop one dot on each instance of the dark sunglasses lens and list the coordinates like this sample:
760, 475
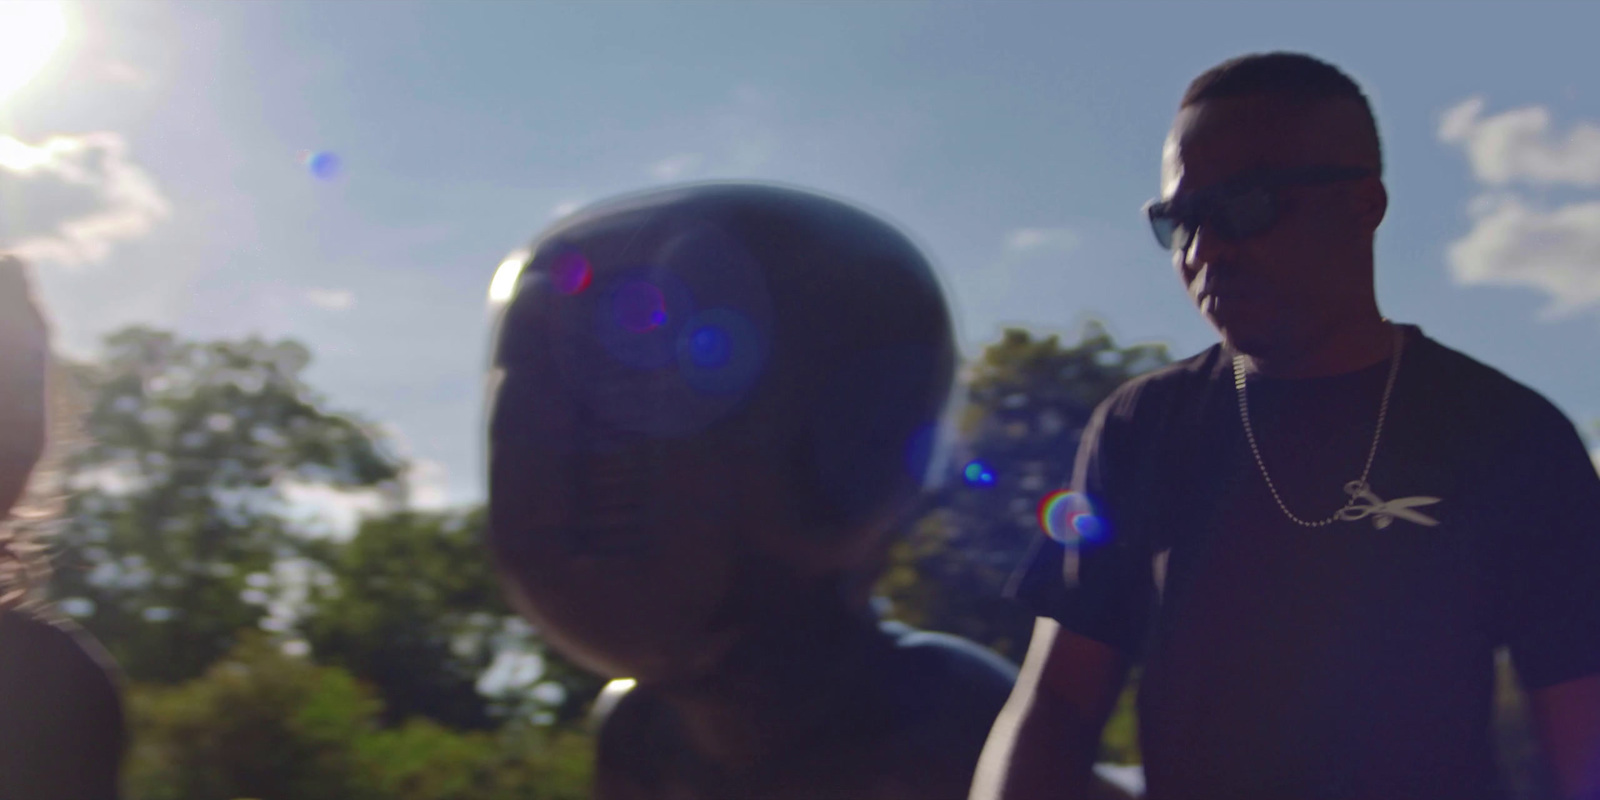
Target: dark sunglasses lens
1164, 229
1170, 231
1246, 214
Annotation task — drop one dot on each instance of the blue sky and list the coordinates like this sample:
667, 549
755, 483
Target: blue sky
1015, 141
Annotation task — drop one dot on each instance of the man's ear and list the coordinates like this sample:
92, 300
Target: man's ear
1370, 200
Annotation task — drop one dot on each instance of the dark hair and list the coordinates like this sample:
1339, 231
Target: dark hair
860, 354
1293, 77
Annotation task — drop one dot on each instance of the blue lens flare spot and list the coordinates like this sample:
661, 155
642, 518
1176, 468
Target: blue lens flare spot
639, 306
709, 346
322, 164
720, 352
1069, 518
571, 273
977, 473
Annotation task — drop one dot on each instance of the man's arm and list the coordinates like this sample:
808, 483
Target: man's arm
1044, 744
1566, 719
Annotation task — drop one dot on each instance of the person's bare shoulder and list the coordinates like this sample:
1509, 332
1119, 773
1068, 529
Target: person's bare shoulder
62, 731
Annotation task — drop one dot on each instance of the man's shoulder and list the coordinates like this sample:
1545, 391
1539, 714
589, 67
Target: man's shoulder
1180, 383
1478, 389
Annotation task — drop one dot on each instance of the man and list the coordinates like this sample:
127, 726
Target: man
1317, 533
711, 406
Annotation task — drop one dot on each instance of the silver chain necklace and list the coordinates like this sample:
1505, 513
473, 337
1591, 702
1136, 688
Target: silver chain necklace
1356, 489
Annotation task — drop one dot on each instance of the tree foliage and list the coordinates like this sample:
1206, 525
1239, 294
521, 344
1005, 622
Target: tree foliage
1026, 403
177, 518
257, 724
260, 724
414, 608
178, 529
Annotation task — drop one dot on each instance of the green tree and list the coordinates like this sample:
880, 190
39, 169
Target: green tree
415, 609
176, 520
261, 724
424, 761
258, 724
1027, 401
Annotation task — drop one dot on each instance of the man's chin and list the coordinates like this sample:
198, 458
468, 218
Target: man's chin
1250, 340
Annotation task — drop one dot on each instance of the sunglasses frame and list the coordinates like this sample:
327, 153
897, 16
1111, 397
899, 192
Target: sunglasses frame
1209, 206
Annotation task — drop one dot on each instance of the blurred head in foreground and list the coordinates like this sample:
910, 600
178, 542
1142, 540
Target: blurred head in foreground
709, 406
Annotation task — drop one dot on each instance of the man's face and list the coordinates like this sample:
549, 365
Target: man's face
1273, 292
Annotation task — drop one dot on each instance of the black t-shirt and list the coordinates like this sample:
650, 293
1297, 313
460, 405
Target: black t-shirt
62, 734
1354, 660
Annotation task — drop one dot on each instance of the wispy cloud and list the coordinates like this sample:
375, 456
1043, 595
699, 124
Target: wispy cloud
1552, 248
331, 299
1513, 244
1023, 241
565, 207
675, 167
1519, 145
125, 202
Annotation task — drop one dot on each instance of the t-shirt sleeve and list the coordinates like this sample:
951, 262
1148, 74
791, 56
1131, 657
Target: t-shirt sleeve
1552, 622
1108, 596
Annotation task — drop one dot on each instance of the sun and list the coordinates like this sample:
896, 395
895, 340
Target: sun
30, 32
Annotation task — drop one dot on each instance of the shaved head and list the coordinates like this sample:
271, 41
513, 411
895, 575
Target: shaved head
1335, 114
1300, 285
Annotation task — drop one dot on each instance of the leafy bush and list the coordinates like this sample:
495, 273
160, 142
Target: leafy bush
267, 726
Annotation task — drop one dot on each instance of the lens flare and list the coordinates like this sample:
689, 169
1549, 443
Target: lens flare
504, 284
571, 273
323, 164
1068, 517
639, 306
977, 473
709, 346
720, 352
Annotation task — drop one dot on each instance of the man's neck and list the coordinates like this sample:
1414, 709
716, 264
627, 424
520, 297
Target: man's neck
1348, 348
804, 678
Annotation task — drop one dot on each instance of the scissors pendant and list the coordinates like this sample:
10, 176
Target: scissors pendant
1363, 503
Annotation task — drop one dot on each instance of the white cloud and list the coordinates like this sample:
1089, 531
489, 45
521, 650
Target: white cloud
328, 510
428, 485
1519, 145
511, 670
1037, 240
1513, 244
332, 299
126, 203
1128, 777
675, 167
564, 208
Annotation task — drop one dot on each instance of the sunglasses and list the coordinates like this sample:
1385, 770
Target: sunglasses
1237, 209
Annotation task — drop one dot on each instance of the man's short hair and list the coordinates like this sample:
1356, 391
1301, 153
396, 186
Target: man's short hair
1294, 77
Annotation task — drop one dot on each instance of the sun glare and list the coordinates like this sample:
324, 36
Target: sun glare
504, 284
30, 32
